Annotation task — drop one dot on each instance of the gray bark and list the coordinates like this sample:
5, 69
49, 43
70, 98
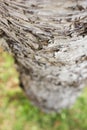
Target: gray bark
48, 40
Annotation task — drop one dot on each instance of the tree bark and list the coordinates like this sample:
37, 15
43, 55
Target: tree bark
48, 40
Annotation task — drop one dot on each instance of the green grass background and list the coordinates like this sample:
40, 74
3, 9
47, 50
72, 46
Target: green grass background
17, 113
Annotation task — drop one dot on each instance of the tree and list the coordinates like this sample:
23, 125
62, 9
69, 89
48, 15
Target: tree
47, 39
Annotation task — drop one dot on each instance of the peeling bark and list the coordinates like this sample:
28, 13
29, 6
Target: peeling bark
48, 40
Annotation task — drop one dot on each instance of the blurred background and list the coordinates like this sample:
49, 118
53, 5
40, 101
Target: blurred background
17, 113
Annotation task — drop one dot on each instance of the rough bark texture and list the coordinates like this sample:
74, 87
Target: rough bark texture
48, 41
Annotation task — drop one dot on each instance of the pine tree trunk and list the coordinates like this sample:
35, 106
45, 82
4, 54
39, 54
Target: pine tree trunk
48, 41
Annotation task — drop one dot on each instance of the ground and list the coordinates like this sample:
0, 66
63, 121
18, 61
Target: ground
17, 113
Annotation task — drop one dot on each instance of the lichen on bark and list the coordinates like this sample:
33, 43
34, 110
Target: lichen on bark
47, 39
